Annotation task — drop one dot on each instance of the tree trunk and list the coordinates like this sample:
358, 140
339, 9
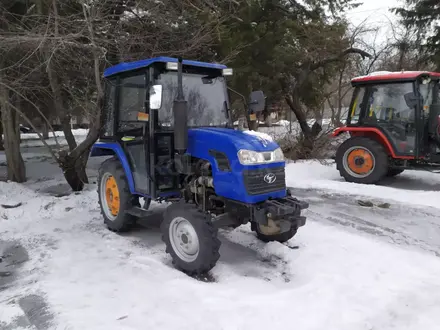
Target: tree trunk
74, 169
45, 130
61, 110
309, 134
337, 121
268, 121
15, 164
67, 130
71, 176
1, 131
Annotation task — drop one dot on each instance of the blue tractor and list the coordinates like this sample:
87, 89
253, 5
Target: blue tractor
167, 126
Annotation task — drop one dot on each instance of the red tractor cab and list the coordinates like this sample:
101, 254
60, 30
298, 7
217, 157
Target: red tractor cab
393, 123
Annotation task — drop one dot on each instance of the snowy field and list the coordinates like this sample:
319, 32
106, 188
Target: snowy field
350, 267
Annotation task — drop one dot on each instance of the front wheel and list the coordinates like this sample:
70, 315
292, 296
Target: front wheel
362, 160
190, 239
264, 234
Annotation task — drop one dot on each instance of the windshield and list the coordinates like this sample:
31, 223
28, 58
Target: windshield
206, 100
387, 103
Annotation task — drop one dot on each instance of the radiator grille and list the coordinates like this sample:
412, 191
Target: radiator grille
255, 183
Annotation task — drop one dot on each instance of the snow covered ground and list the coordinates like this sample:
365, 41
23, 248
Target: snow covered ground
29, 140
417, 188
349, 268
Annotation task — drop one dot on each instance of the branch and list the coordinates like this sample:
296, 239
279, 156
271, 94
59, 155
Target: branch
38, 110
95, 55
351, 50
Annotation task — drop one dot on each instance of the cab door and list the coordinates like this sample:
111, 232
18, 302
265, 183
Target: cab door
131, 132
387, 109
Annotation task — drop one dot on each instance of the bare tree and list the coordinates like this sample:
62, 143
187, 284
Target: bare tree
15, 163
63, 47
361, 36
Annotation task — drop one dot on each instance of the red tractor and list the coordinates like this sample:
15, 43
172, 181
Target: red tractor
394, 124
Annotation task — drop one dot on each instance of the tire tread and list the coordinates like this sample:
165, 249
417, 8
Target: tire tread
124, 221
208, 240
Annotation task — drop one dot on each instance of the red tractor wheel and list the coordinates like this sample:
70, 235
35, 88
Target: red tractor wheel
362, 160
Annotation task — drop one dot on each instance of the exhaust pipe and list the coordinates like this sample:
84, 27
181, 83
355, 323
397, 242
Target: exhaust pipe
180, 112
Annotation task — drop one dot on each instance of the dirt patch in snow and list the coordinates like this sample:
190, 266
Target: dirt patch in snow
12, 256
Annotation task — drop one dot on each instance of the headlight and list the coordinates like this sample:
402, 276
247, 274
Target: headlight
278, 155
247, 157
250, 157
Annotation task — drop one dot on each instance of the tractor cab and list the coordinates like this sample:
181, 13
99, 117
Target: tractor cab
398, 113
166, 123
139, 114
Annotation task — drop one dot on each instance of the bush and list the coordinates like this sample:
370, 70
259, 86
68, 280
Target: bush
324, 146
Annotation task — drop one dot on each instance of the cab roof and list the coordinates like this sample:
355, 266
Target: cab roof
382, 76
129, 66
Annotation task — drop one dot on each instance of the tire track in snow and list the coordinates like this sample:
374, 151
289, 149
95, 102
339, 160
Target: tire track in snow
400, 224
268, 261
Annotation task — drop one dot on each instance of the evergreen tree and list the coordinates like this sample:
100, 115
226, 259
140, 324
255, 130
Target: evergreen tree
423, 16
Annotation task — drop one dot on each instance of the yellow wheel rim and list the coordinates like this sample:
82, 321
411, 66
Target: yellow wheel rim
112, 195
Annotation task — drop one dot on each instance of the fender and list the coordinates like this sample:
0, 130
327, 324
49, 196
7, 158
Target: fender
371, 132
114, 148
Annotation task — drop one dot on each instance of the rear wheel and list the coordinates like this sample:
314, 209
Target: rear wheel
115, 197
190, 239
362, 160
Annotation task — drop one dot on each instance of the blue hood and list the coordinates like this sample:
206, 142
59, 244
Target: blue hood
217, 144
219, 138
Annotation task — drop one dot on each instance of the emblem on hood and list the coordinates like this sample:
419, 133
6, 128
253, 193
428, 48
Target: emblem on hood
270, 178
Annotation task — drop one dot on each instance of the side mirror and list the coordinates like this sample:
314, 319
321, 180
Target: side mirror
411, 100
257, 102
155, 97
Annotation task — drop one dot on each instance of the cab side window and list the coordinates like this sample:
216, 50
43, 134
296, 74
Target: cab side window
132, 95
387, 103
356, 106
108, 115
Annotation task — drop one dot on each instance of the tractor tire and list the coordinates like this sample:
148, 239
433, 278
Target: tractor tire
115, 197
282, 237
362, 160
394, 171
190, 239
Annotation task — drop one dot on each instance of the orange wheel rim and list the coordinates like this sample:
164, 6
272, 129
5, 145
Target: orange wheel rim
360, 161
112, 195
